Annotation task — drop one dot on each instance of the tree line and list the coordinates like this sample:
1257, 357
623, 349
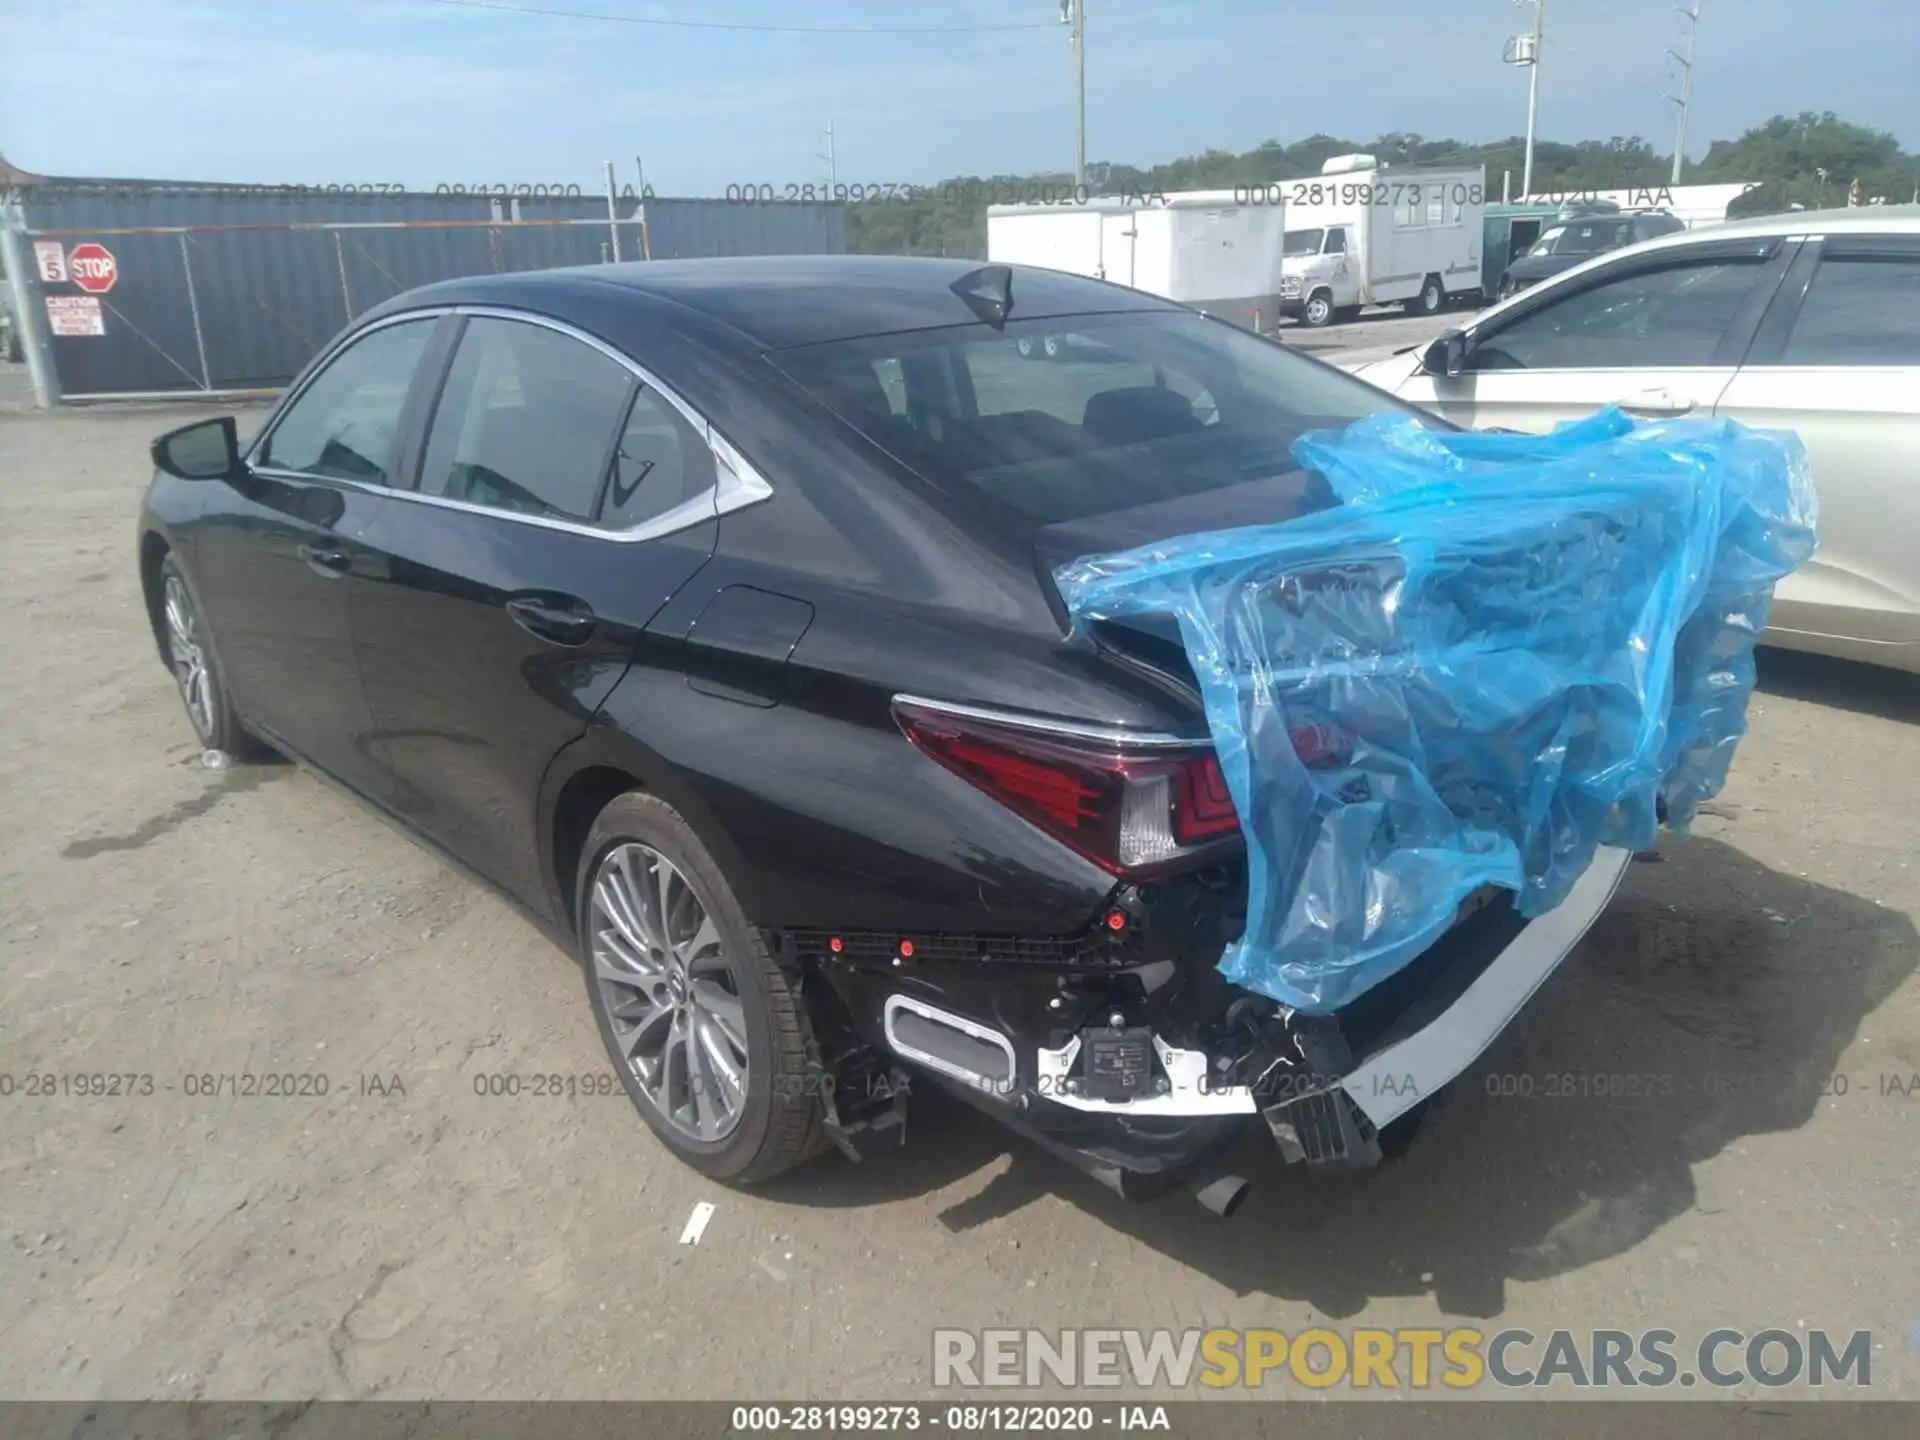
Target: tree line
1810, 159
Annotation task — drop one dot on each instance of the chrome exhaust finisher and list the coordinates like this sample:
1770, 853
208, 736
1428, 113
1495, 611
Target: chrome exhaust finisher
950, 1044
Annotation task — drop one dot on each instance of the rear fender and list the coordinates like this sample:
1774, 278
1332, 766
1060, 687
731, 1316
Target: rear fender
606, 746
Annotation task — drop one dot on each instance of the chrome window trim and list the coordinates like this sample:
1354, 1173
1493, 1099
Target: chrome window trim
687, 513
328, 356
1046, 725
737, 484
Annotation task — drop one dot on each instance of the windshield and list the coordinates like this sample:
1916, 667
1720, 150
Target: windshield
1071, 418
1302, 242
1584, 237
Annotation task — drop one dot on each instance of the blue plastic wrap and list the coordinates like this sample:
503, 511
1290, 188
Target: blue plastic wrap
1499, 653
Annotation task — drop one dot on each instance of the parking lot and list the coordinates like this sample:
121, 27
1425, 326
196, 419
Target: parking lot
391, 1230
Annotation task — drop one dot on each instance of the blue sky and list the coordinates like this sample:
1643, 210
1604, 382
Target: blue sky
422, 93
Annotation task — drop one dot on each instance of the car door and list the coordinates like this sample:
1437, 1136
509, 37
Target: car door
1837, 360
276, 557
1658, 334
559, 497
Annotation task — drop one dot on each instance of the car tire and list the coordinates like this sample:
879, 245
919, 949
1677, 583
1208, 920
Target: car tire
732, 1003
196, 668
1431, 300
1054, 344
1025, 346
1318, 311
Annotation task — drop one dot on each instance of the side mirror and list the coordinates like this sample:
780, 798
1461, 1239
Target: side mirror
205, 450
1447, 355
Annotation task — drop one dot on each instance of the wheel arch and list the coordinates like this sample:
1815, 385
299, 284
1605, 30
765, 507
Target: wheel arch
584, 778
154, 550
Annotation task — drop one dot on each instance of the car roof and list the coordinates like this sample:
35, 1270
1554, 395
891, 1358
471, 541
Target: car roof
775, 302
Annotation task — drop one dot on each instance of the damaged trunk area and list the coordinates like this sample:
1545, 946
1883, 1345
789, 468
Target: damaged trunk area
1440, 716
1433, 689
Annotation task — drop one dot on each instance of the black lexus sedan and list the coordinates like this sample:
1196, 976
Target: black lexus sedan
704, 609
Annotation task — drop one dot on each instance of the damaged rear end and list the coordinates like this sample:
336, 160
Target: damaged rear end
1124, 1049
1437, 689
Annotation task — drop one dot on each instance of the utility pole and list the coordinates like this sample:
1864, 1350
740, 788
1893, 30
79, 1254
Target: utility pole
828, 156
1685, 62
613, 214
1525, 50
1073, 14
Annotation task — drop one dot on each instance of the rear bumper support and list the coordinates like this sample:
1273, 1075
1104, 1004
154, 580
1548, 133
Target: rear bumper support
1325, 1086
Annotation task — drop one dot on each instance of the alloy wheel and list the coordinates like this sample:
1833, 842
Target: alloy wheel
671, 994
188, 659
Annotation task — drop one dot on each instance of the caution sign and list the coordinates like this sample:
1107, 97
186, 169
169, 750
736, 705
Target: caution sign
75, 315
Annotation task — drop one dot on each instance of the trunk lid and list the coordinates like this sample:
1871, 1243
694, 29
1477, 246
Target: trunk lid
1151, 644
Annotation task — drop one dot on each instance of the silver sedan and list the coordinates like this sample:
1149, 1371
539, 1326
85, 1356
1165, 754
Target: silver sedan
1807, 322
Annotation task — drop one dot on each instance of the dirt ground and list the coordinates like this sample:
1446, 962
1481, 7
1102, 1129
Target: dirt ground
402, 1236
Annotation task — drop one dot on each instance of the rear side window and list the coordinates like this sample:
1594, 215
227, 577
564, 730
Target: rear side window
1667, 318
660, 462
1859, 311
344, 425
526, 422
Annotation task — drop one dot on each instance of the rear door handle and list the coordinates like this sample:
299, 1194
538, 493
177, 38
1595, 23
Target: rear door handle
327, 560
557, 619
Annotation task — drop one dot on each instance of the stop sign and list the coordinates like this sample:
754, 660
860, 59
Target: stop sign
90, 266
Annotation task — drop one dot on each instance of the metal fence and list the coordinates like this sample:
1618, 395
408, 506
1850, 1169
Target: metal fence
240, 305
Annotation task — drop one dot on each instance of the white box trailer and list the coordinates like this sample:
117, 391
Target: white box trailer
1363, 235
1203, 249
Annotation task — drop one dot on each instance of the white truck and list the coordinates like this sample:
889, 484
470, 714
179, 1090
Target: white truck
1360, 233
1207, 249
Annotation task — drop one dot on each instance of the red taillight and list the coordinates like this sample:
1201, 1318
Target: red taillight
1202, 807
1320, 747
1057, 790
1135, 812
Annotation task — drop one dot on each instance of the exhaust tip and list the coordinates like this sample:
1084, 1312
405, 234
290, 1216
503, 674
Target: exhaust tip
1223, 1196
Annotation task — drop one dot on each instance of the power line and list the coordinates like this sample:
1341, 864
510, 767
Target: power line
731, 25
